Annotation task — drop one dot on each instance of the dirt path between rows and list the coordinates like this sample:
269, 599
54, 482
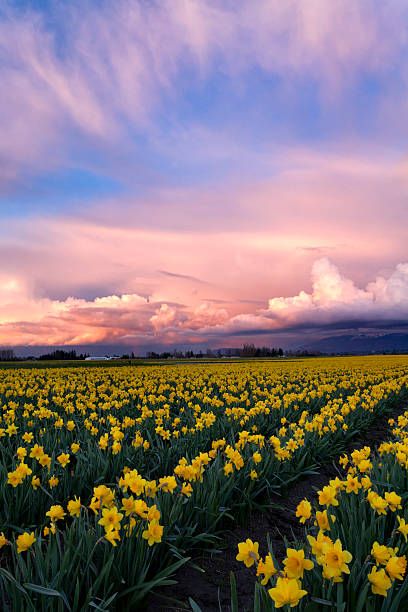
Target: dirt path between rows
209, 588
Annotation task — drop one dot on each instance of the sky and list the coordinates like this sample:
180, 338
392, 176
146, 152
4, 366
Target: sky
190, 173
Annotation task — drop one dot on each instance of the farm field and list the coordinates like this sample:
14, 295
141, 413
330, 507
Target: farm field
114, 481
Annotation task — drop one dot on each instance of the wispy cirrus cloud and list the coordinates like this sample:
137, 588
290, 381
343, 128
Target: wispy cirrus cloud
85, 77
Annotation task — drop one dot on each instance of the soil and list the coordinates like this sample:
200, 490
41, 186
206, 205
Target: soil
206, 579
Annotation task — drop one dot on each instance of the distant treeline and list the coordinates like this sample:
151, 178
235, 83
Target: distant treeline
57, 355
248, 350
7, 355
61, 355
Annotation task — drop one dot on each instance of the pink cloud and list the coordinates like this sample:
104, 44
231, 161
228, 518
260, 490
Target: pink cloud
241, 242
123, 72
172, 276
206, 315
336, 298
132, 319
127, 318
26, 319
333, 299
164, 317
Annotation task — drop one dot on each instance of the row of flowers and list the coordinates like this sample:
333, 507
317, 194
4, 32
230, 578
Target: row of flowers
353, 555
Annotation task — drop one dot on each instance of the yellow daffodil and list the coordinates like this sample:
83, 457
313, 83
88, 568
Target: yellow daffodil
304, 511
153, 534
74, 506
55, 513
266, 568
402, 527
287, 591
380, 582
396, 567
295, 563
25, 541
248, 552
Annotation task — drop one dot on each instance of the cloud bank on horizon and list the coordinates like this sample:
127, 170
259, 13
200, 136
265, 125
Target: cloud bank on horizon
130, 318
171, 172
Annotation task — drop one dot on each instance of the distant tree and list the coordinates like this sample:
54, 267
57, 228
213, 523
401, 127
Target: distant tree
60, 355
248, 350
7, 355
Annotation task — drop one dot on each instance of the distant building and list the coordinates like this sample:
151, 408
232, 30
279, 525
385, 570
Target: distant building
91, 358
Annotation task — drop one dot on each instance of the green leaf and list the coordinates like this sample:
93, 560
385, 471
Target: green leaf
362, 599
195, 607
105, 604
41, 590
322, 602
11, 579
234, 593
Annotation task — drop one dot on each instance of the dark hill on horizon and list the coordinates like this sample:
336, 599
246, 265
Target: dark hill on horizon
360, 343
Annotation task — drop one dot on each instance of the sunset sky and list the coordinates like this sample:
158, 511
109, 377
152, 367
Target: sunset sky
202, 172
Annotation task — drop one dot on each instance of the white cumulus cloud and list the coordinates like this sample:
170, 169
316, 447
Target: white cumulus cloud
336, 298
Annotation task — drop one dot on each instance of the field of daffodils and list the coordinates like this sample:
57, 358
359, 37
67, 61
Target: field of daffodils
114, 479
